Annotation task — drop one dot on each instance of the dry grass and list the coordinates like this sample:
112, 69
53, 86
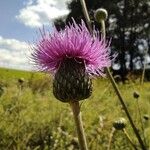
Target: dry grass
32, 119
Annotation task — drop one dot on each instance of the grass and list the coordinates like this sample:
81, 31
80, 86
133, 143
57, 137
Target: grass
12, 73
32, 119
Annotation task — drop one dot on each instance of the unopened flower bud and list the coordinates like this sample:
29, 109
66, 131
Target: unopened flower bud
146, 117
71, 82
21, 80
120, 124
136, 95
101, 14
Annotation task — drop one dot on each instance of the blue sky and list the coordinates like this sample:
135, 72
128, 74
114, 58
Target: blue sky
20, 21
10, 27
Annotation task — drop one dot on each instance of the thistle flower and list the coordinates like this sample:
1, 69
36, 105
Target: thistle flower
73, 56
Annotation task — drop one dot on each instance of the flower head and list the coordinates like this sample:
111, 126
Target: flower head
120, 124
74, 42
72, 55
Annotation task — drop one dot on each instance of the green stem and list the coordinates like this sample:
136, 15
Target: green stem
18, 115
142, 126
85, 12
113, 81
103, 30
125, 108
143, 74
79, 125
129, 138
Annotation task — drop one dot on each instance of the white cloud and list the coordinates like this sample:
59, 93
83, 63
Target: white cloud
14, 54
39, 12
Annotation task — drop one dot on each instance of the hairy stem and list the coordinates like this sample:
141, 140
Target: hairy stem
79, 125
113, 81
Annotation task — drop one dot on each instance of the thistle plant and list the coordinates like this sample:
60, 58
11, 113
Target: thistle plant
21, 82
103, 15
73, 56
18, 115
120, 125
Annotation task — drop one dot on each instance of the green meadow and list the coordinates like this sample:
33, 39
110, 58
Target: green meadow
32, 119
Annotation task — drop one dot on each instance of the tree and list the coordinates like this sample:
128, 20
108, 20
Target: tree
127, 25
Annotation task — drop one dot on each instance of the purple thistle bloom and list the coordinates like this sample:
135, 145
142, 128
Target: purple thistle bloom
74, 42
72, 55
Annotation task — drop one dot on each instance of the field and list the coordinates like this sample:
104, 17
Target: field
32, 119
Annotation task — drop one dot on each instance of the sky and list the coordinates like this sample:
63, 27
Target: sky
20, 21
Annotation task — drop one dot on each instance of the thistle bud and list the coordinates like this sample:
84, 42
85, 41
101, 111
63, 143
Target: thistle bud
101, 14
146, 117
120, 124
71, 82
21, 80
136, 95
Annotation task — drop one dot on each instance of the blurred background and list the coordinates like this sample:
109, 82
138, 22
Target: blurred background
127, 26
30, 116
